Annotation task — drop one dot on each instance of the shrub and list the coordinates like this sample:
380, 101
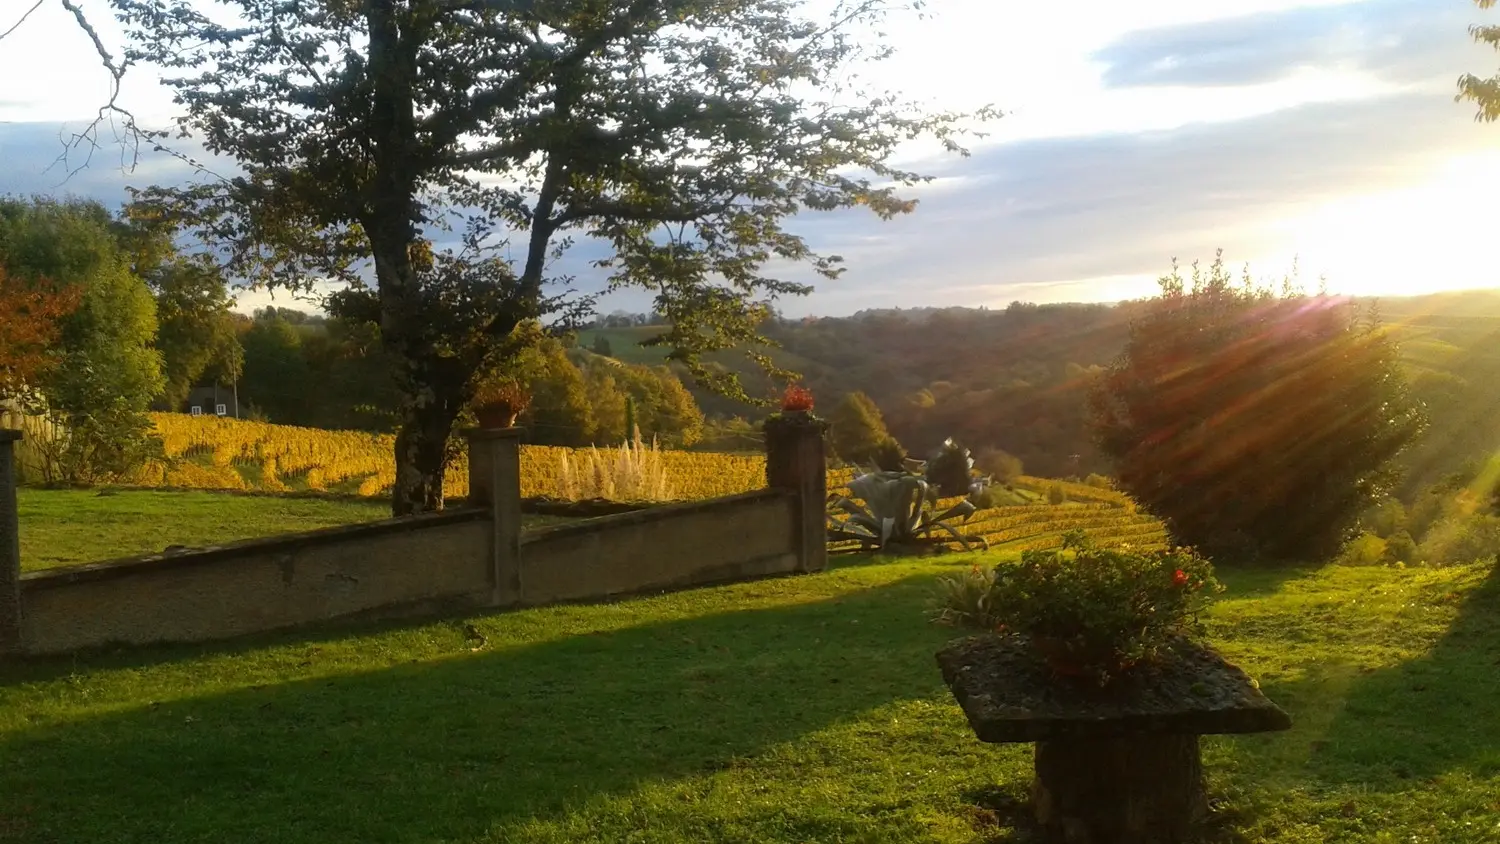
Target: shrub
984, 498
1317, 382
1401, 548
1431, 507
949, 470
1363, 550
1462, 539
1385, 519
104, 446
966, 600
1099, 481
1093, 611
1056, 495
1002, 467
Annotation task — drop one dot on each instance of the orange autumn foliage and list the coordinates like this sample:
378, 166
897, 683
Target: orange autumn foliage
29, 326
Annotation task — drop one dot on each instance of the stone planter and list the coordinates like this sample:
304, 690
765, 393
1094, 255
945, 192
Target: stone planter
1066, 659
1112, 766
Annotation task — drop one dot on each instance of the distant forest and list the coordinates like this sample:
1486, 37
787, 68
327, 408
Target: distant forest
1012, 379
1016, 379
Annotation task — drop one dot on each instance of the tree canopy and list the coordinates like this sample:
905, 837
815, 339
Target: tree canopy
29, 329
1483, 91
681, 134
108, 369
1253, 421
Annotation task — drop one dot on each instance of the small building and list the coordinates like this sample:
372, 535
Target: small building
213, 400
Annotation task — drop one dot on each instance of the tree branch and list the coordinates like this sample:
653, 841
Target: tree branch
640, 213
17, 24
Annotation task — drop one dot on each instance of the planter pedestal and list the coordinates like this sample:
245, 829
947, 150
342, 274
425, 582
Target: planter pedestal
1132, 790
1118, 765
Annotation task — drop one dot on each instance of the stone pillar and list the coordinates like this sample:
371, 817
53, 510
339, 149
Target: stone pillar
10, 546
495, 483
796, 462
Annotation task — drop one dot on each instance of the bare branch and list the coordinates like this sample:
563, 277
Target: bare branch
17, 24
133, 134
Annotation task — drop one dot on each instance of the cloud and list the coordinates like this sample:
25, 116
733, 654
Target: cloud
1053, 219
40, 158
1033, 220
1394, 40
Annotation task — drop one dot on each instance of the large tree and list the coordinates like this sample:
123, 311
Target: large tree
277, 380
108, 370
196, 327
1483, 91
680, 133
1255, 421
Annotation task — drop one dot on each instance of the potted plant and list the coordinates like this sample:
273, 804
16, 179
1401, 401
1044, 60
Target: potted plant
796, 412
796, 405
1088, 612
499, 401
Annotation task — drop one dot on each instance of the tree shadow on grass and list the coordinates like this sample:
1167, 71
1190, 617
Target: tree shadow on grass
1429, 716
451, 748
1247, 582
33, 669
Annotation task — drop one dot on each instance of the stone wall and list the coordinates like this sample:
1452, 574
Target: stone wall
400, 566
460, 559
724, 539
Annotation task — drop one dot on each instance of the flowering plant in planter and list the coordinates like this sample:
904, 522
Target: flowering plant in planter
499, 401
1090, 612
796, 408
797, 399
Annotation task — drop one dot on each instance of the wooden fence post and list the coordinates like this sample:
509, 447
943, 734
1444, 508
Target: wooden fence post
796, 461
495, 482
10, 546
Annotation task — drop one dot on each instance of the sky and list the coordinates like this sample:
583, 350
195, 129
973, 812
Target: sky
1320, 133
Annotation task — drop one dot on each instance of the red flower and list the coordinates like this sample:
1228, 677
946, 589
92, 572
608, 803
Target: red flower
797, 398
1180, 578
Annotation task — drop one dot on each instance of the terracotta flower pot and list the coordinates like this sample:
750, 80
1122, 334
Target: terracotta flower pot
495, 417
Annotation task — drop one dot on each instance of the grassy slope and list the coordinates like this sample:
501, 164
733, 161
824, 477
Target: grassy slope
65, 527
61, 527
796, 710
625, 346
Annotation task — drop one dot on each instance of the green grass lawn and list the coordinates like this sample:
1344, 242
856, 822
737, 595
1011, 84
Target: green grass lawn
67, 527
64, 527
806, 709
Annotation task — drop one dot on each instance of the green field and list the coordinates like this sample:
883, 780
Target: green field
625, 346
804, 709
67, 527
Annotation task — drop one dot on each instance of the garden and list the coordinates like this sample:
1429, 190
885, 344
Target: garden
803, 709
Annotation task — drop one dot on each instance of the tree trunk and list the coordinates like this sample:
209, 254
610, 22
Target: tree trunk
1145, 789
421, 460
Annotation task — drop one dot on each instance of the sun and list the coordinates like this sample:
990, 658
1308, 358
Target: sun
1426, 237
